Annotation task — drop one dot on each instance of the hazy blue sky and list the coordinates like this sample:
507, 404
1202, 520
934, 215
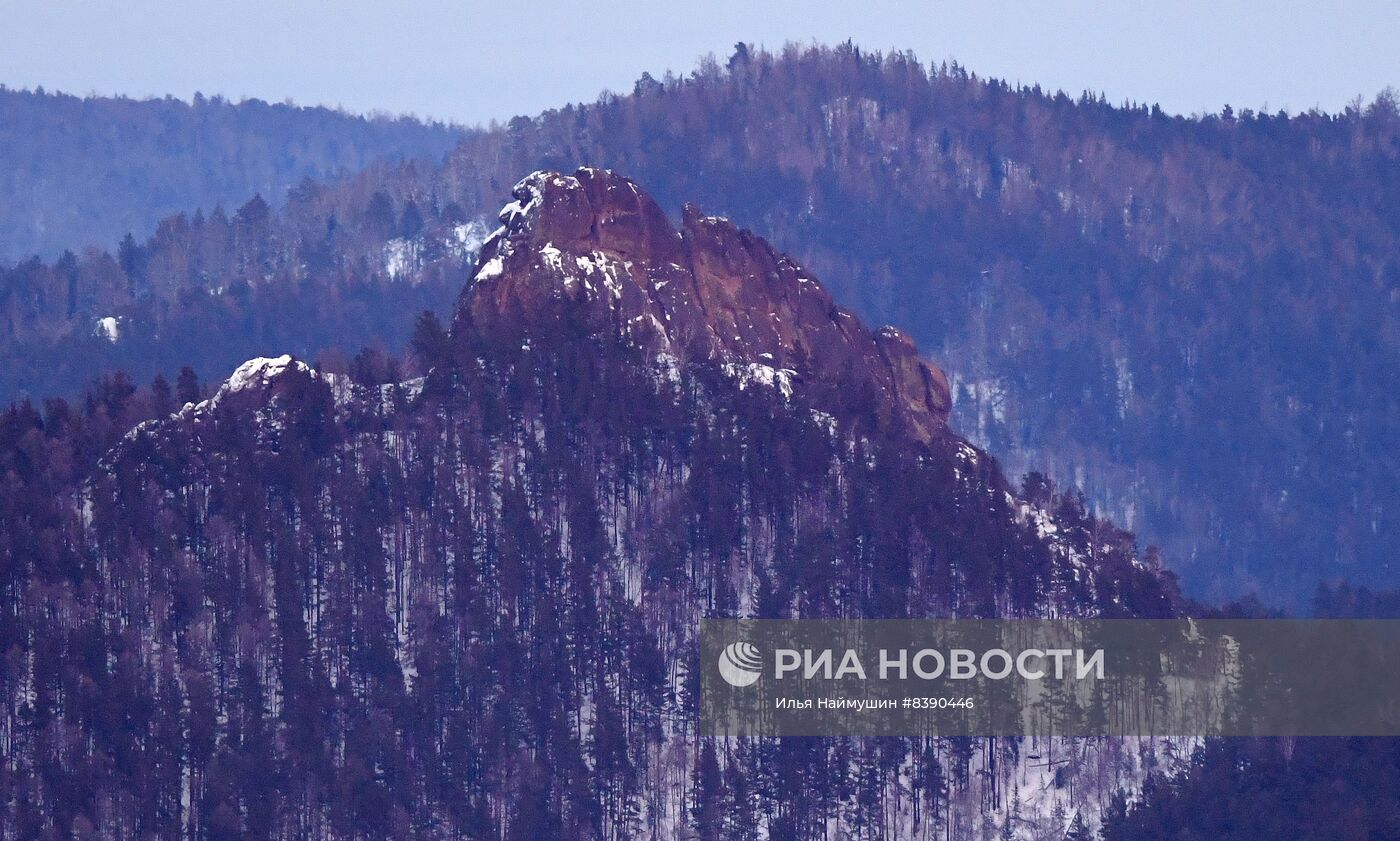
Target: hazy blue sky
474, 61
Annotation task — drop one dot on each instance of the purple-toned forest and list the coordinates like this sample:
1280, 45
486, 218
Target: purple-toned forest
366, 507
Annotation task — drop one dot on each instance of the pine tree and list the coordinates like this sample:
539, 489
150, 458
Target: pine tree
187, 386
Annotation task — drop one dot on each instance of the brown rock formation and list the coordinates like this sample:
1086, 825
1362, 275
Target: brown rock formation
595, 249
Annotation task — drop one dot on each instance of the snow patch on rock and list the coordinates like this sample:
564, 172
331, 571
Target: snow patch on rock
494, 267
599, 264
554, 258
516, 214
749, 373
259, 371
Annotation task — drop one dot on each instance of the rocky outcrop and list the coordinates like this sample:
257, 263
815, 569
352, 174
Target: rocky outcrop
593, 250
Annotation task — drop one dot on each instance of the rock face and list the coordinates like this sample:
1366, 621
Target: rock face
593, 249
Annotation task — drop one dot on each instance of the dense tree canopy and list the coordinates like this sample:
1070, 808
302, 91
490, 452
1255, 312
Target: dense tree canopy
82, 171
1194, 319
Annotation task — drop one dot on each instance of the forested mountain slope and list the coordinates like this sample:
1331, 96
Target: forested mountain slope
1197, 320
335, 270
463, 605
79, 171
1194, 319
1264, 789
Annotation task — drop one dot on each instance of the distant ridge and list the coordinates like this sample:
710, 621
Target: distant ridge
82, 171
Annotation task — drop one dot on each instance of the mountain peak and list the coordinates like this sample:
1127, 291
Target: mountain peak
594, 249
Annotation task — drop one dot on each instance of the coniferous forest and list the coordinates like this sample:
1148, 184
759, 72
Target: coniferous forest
1191, 319
462, 604
84, 171
338, 502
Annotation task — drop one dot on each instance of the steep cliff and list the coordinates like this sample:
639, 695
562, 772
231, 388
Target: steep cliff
592, 247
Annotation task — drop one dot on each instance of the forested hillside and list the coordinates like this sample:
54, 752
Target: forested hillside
333, 271
1266, 789
79, 171
455, 596
1194, 319
1197, 320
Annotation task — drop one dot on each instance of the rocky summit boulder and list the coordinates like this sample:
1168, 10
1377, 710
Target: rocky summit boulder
593, 249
